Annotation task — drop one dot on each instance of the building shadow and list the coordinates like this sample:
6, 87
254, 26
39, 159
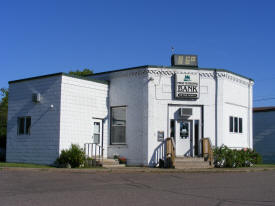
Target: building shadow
158, 155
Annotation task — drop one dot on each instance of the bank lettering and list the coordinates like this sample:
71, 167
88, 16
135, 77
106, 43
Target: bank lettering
187, 86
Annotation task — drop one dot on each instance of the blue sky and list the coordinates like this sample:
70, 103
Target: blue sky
41, 37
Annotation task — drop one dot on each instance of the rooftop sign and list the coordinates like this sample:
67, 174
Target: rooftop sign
184, 60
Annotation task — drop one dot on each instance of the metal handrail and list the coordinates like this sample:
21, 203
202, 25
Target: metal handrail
90, 147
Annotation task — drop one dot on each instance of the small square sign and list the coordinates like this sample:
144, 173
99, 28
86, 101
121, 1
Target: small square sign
160, 136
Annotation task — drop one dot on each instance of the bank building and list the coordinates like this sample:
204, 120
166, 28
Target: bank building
130, 112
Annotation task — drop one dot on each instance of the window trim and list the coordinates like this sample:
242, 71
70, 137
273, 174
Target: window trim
119, 143
236, 130
26, 130
97, 133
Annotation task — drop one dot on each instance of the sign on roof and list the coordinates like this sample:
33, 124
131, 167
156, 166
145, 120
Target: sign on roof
187, 86
184, 60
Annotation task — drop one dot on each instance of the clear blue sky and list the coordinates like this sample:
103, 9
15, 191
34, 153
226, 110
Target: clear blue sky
41, 37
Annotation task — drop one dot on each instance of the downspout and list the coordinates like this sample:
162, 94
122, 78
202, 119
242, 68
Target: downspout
216, 107
248, 115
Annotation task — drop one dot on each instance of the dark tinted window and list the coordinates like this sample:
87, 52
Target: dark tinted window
172, 128
23, 125
28, 125
231, 124
240, 125
236, 124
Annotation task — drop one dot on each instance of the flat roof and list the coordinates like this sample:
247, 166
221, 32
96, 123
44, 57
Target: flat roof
264, 109
170, 67
58, 74
125, 69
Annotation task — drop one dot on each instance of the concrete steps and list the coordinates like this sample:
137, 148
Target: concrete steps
191, 163
111, 163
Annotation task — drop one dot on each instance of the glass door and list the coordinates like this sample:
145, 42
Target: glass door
184, 137
97, 133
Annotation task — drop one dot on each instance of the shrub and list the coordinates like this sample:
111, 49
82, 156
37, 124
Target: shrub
116, 156
73, 157
225, 157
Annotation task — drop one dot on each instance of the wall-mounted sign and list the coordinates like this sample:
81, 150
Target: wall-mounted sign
160, 136
187, 86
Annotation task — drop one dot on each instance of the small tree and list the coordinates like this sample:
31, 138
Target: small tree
84, 72
3, 116
75, 157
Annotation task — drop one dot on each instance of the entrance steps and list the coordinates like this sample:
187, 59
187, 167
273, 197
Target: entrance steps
112, 163
191, 163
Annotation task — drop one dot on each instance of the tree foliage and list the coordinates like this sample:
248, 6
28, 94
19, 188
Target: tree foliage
83, 72
3, 116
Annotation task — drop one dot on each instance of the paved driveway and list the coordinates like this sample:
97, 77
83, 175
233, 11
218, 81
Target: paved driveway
30, 187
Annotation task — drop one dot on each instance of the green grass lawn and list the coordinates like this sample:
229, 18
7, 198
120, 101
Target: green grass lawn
25, 165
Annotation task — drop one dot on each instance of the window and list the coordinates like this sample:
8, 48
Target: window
97, 132
231, 128
235, 124
172, 128
118, 125
184, 130
240, 125
23, 125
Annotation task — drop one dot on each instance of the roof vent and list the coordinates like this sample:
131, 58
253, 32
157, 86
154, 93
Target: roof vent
184, 60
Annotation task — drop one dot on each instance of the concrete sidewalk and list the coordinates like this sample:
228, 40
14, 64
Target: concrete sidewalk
141, 170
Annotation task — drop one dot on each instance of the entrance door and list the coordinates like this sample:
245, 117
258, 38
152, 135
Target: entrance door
184, 138
97, 133
97, 139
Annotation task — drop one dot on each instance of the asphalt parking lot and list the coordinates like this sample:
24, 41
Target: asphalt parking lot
42, 187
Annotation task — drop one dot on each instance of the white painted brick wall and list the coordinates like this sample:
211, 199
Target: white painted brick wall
229, 92
131, 91
238, 104
70, 121
42, 145
81, 101
147, 104
147, 112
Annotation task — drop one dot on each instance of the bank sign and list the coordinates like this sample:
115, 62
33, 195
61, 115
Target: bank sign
187, 86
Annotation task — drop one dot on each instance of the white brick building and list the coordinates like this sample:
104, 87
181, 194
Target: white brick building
129, 112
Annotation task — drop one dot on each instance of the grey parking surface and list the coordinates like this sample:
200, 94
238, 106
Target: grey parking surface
27, 187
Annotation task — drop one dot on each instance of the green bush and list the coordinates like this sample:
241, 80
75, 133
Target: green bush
225, 157
73, 157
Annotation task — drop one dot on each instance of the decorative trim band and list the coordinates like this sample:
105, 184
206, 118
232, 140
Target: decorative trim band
164, 72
